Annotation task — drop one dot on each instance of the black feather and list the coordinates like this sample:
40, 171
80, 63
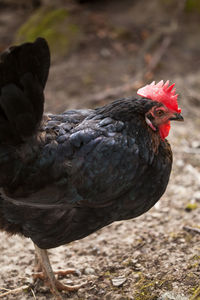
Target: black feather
71, 174
23, 74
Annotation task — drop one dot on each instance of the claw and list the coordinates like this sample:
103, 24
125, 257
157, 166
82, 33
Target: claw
48, 275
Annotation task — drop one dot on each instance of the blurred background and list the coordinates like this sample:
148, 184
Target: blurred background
98, 45
103, 50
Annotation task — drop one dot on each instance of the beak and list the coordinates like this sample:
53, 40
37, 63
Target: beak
176, 117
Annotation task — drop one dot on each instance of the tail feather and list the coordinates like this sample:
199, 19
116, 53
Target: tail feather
28, 57
23, 74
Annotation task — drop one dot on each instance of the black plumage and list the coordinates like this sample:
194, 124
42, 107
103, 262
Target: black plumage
65, 176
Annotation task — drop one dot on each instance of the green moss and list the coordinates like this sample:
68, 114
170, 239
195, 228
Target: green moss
194, 263
52, 24
191, 206
193, 266
195, 294
146, 287
196, 257
192, 6
107, 273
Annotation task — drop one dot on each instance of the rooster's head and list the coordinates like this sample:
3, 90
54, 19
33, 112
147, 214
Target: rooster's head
158, 117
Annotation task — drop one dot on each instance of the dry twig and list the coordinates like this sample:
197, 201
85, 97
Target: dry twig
33, 293
191, 229
15, 291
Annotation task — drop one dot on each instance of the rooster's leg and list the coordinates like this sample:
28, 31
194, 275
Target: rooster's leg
48, 276
38, 270
37, 266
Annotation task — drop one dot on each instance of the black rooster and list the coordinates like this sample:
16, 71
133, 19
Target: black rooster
65, 176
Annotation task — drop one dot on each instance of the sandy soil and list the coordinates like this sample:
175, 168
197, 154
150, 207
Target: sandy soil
152, 257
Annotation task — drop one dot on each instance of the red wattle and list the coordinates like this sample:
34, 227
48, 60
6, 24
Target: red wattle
164, 130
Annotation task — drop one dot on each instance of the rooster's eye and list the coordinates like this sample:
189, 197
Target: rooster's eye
159, 113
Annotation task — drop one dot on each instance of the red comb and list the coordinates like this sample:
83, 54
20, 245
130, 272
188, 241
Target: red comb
161, 92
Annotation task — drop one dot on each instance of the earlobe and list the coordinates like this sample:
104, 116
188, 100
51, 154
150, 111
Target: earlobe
149, 123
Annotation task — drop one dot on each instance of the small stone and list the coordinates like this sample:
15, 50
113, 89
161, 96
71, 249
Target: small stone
81, 293
196, 195
136, 276
179, 163
89, 271
195, 144
69, 281
78, 272
95, 250
105, 52
137, 267
118, 281
172, 296
101, 292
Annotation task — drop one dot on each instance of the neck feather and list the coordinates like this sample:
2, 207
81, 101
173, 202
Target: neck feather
123, 109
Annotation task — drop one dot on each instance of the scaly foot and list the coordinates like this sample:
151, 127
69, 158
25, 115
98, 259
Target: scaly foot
48, 275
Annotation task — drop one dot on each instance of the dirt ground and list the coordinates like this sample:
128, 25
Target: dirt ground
152, 257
